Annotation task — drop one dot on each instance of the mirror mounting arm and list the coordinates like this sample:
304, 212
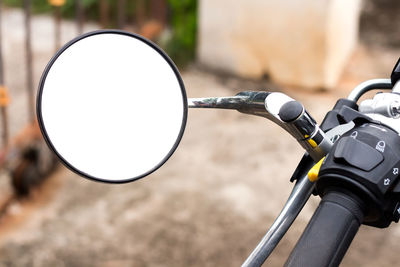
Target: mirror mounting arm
247, 102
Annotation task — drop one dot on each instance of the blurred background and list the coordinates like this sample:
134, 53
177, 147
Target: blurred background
212, 202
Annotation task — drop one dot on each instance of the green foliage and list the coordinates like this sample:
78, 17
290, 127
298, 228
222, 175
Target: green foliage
182, 21
182, 45
68, 10
38, 6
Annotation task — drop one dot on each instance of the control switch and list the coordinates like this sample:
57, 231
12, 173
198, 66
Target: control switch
357, 154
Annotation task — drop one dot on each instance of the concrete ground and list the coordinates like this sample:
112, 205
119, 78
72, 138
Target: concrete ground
209, 205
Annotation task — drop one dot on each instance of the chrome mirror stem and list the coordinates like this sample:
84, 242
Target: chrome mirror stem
229, 102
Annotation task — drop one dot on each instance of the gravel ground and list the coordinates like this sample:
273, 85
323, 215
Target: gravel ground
209, 205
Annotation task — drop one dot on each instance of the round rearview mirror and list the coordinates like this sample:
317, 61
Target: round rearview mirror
112, 106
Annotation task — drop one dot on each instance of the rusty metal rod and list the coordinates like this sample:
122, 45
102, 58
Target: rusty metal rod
140, 13
4, 114
4, 124
29, 60
57, 27
121, 4
104, 13
80, 16
1, 47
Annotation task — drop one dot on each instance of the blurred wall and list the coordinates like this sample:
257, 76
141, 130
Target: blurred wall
298, 42
379, 23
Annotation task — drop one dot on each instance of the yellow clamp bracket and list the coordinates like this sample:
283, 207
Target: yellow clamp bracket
4, 97
313, 172
57, 2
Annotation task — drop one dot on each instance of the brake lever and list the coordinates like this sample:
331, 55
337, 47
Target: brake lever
299, 196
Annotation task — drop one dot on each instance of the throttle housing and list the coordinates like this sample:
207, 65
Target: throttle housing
366, 162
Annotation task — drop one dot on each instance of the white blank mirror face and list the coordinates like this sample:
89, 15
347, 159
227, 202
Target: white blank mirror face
112, 106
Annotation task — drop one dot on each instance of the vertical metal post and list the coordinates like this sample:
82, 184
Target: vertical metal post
1, 54
57, 27
121, 13
80, 16
29, 66
57, 4
4, 115
140, 13
104, 13
159, 11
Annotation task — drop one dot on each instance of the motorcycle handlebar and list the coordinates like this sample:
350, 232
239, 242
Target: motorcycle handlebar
337, 219
330, 231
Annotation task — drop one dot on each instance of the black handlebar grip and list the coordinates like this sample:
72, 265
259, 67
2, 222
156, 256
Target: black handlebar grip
329, 233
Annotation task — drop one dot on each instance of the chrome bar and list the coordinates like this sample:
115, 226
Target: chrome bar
229, 102
247, 102
369, 85
299, 196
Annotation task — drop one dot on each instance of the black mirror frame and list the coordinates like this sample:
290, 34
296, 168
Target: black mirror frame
39, 103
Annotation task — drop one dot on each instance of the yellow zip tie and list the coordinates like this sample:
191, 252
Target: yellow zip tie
310, 141
57, 2
4, 97
314, 171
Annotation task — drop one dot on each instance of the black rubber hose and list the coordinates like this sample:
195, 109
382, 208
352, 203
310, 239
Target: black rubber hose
329, 233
